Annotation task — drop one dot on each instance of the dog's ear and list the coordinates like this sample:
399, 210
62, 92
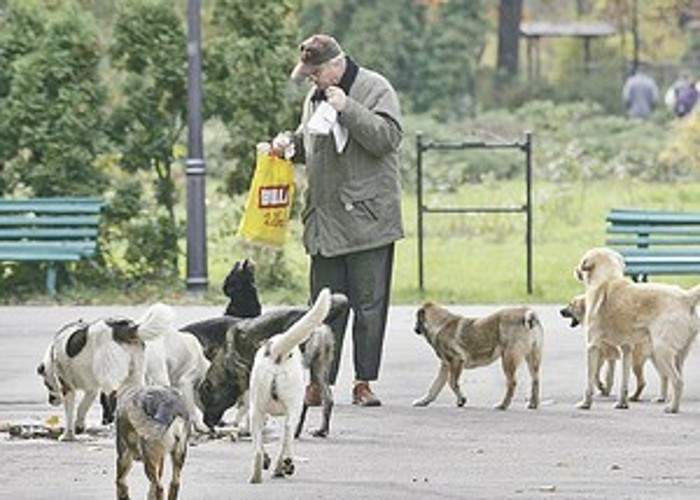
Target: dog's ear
123, 330
419, 327
246, 263
620, 259
601, 298
76, 342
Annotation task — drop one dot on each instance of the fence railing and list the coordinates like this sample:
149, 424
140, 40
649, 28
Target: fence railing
423, 146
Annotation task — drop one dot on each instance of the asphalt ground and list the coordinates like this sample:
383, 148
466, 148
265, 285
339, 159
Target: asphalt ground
391, 452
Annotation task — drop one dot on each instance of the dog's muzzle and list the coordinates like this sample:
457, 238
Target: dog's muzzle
54, 400
567, 314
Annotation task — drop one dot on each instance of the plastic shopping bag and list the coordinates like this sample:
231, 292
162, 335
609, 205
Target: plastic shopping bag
269, 204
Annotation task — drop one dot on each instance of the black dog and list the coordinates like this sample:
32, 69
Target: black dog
239, 287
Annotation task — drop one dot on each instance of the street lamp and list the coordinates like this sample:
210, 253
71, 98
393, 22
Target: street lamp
195, 165
635, 35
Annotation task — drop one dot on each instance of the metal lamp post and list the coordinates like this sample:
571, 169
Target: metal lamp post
196, 167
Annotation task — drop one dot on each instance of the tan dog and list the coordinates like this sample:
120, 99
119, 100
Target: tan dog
576, 310
625, 314
512, 334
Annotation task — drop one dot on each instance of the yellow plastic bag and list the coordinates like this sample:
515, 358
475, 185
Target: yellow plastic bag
267, 210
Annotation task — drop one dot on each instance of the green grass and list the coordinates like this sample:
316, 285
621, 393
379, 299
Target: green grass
481, 258
468, 258
476, 258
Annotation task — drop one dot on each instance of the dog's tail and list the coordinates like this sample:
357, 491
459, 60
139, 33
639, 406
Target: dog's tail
158, 319
531, 319
283, 344
534, 325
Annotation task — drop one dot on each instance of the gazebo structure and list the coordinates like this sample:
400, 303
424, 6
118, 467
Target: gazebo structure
586, 31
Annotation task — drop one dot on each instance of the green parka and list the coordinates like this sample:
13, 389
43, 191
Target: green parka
353, 200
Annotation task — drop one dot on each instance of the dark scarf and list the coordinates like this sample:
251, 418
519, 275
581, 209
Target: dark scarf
346, 80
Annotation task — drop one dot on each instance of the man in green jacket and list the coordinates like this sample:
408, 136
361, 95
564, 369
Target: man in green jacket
352, 215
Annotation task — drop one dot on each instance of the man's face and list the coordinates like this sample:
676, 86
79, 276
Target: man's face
324, 76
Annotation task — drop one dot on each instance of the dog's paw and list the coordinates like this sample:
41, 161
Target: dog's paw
320, 433
660, 399
636, 399
288, 466
79, 429
501, 407
256, 478
461, 401
532, 405
421, 402
284, 468
67, 437
621, 405
200, 427
584, 404
670, 410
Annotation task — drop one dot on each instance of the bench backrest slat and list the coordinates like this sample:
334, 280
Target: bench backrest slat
61, 220
48, 233
643, 234
618, 217
646, 242
658, 229
51, 205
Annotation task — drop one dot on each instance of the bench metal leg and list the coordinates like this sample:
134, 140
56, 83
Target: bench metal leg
51, 278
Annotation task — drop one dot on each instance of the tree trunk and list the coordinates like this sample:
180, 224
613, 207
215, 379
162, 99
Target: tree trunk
509, 14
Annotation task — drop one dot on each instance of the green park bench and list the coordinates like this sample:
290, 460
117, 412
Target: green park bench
655, 242
51, 230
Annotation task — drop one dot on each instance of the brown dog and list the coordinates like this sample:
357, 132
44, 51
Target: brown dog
575, 310
625, 314
512, 334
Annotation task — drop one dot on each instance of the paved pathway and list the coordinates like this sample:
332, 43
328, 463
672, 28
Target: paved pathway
392, 452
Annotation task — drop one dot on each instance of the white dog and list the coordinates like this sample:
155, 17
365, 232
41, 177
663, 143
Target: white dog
277, 386
177, 359
85, 357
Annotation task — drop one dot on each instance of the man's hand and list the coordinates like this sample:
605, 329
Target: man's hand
283, 145
336, 97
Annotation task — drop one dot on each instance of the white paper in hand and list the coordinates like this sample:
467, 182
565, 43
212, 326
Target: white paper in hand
323, 119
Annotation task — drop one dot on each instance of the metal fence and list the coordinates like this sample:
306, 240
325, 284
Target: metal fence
424, 146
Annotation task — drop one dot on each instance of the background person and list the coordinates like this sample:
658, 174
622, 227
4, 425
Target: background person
682, 95
640, 95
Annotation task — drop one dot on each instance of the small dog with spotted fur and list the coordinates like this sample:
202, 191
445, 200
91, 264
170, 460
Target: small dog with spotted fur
277, 386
